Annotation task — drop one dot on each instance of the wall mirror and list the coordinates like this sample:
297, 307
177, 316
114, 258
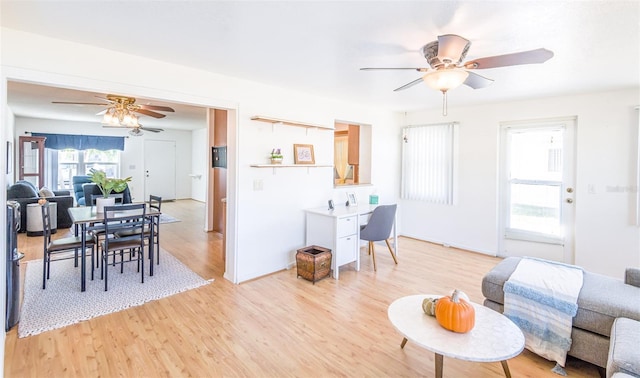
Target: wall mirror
352, 154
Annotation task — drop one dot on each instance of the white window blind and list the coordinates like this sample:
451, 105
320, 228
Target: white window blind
427, 163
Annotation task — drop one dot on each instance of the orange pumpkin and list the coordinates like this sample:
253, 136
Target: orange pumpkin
455, 314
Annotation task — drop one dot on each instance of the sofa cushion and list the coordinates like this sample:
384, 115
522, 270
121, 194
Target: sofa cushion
624, 354
632, 276
21, 190
46, 192
602, 299
493, 282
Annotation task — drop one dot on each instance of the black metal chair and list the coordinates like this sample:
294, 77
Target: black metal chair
379, 228
155, 205
123, 218
62, 248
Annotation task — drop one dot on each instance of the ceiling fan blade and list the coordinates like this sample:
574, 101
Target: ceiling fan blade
411, 84
152, 129
394, 68
149, 113
476, 81
157, 107
525, 57
79, 103
452, 48
102, 112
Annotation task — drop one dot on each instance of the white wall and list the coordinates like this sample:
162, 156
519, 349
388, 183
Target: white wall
265, 226
6, 134
199, 164
606, 238
132, 158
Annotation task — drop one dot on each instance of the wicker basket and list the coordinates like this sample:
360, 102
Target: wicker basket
313, 263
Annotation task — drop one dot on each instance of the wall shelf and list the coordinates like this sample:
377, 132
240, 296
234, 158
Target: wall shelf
290, 165
289, 123
275, 167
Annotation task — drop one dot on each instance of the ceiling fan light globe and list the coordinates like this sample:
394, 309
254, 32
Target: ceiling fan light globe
443, 80
128, 119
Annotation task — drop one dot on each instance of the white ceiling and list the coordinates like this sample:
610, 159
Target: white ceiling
318, 47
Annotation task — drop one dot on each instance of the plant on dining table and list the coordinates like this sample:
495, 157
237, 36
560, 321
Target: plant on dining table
107, 185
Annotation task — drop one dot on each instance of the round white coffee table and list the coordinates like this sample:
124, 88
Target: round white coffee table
493, 338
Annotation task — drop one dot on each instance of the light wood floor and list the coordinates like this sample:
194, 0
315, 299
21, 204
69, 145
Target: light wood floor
273, 326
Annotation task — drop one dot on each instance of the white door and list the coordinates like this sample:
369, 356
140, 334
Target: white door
160, 169
537, 190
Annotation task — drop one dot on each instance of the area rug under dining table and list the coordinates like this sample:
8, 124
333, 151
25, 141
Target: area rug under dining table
62, 303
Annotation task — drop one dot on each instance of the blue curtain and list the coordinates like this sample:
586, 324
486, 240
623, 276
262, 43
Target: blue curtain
81, 142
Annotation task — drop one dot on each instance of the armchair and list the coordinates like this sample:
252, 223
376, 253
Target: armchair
25, 193
78, 183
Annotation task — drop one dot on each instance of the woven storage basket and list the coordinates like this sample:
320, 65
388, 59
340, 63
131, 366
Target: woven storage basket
313, 263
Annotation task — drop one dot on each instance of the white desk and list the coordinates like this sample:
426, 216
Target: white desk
339, 230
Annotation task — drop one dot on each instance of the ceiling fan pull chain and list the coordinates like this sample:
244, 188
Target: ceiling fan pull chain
444, 103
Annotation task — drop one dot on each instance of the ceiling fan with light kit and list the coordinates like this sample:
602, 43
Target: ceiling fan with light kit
447, 71
121, 112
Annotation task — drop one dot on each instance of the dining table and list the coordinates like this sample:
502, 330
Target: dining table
86, 218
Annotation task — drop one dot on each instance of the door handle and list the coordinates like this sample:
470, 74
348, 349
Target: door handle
569, 200
569, 190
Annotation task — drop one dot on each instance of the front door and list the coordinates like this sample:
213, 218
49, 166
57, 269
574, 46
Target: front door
537, 189
160, 169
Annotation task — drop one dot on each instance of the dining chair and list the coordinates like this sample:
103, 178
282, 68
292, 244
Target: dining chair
123, 218
379, 228
155, 205
61, 248
98, 233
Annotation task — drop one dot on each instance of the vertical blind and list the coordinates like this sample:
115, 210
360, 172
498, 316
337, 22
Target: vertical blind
427, 163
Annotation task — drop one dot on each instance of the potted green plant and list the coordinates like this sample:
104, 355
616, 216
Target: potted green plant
107, 185
276, 156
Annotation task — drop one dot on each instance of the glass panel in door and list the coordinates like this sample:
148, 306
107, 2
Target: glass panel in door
537, 181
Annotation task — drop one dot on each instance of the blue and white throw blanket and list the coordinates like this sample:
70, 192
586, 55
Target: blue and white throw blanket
541, 298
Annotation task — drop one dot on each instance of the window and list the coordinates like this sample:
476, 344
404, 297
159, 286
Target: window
77, 162
428, 163
534, 181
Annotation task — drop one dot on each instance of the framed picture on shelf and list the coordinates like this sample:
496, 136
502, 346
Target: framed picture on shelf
303, 154
351, 197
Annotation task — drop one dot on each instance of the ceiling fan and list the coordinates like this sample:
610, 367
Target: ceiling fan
136, 130
447, 70
120, 112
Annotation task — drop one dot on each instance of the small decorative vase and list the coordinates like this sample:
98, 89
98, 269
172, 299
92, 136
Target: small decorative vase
102, 202
276, 160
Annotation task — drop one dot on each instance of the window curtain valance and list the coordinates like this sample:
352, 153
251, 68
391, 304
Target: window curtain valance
81, 142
